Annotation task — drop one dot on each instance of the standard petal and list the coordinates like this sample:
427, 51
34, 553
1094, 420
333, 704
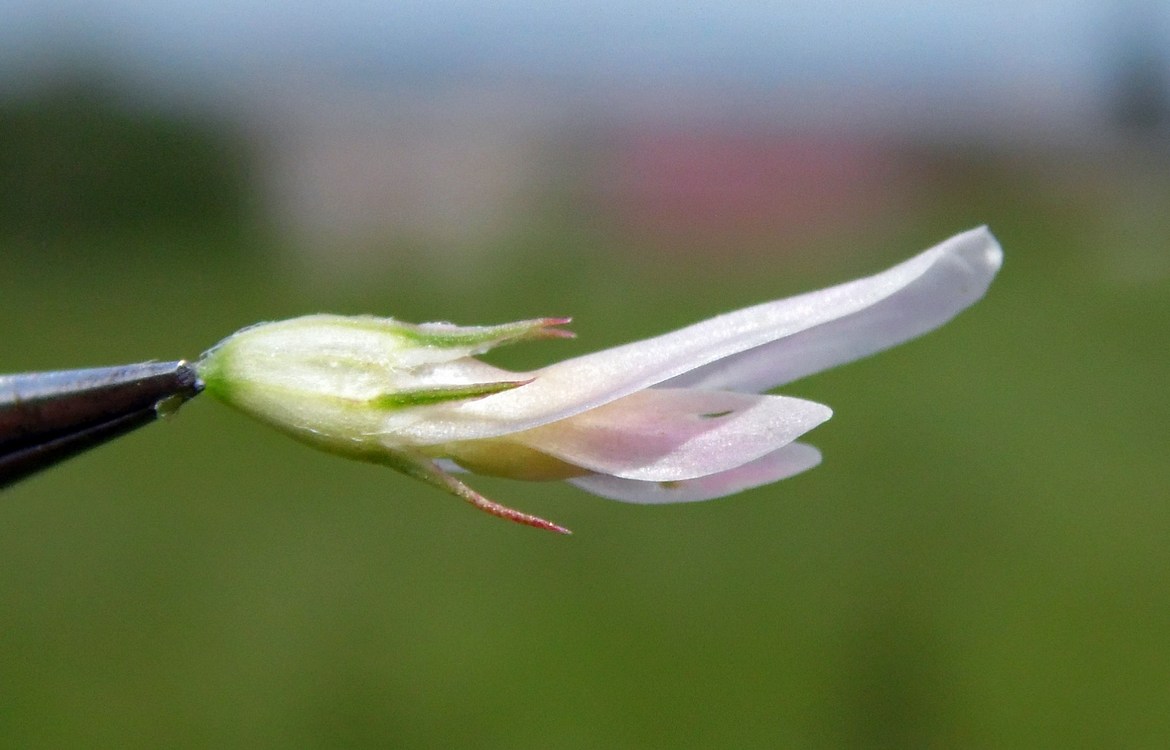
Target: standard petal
953, 276
786, 462
660, 435
745, 350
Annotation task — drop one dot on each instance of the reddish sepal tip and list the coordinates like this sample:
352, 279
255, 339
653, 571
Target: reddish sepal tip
551, 331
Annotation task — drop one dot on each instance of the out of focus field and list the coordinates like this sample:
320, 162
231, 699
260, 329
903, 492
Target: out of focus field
980, 561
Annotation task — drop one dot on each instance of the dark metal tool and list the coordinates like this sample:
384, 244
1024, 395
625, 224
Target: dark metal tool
47, 417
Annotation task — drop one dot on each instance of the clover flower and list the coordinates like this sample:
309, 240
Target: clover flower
676, 418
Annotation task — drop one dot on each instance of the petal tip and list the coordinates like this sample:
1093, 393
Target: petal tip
981, 247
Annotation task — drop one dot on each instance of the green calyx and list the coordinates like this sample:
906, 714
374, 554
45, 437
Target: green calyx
346, 385
439, 394
450, 336
340, 383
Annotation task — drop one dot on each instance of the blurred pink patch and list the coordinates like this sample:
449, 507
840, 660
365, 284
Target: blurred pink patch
689, 185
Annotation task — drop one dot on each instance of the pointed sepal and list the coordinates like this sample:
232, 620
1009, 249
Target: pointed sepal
419, 466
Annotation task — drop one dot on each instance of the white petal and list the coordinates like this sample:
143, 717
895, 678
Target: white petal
660, 435
786, 462
926, 292
830, 326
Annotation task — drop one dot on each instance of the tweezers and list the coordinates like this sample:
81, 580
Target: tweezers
47, 417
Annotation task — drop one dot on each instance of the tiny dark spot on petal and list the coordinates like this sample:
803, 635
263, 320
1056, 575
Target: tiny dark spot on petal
715, 414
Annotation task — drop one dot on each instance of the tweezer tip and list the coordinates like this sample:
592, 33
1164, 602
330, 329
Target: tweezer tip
49, 416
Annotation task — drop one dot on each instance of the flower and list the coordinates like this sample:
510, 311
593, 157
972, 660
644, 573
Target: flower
676, 418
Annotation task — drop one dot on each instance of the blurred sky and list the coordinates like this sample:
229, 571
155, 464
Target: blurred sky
991, 42
439, 109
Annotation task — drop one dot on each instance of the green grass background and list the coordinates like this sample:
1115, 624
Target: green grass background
982, 559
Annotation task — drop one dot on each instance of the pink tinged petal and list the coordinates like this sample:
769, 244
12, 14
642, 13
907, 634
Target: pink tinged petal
781, 464
827, 328
669, 435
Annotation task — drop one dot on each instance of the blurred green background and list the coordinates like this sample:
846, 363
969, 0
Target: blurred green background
980, 561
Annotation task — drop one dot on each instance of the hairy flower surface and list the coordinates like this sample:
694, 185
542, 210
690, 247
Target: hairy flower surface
675, 418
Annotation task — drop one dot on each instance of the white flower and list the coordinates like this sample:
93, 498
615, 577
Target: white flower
675, 418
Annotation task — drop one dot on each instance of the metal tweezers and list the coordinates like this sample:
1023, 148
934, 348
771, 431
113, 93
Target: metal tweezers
47, 417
